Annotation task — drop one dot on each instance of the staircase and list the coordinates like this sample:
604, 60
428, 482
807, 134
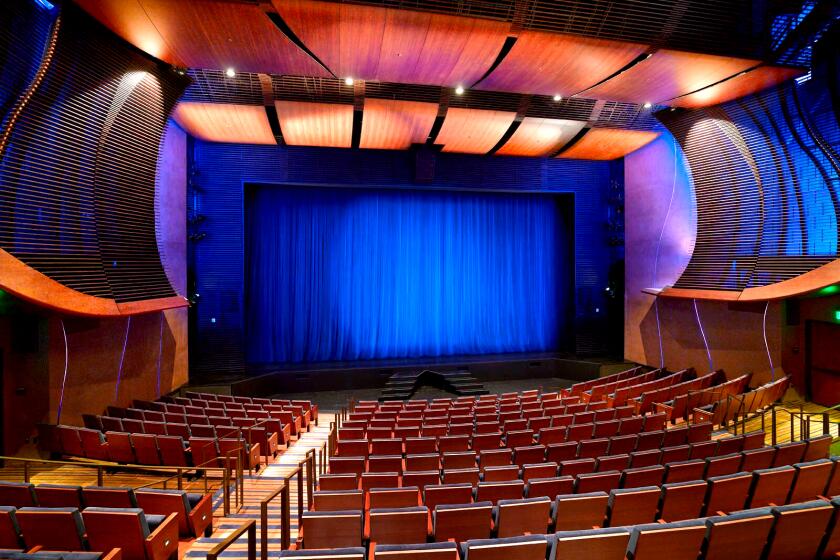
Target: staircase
402, 385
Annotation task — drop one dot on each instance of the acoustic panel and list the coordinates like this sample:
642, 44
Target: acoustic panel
78, 201
765, 181
668, 74
607, 143
395, 125
754, 81
315, 124
473, 131
222, 122
540, 137
551, 63
395, 45
205, 34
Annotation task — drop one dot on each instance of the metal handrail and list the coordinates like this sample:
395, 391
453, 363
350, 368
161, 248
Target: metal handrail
285, 530
251, 528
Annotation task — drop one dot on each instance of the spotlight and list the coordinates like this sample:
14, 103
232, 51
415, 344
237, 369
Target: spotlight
230, 72
459, 90
648, 105
558, 97
348, 81
45, 4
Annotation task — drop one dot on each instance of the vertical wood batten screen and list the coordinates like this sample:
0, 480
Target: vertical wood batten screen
77, 175
767, 191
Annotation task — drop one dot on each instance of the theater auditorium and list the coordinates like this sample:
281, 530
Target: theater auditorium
420, 279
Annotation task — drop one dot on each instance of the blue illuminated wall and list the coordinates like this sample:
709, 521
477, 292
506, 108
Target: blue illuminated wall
220, 171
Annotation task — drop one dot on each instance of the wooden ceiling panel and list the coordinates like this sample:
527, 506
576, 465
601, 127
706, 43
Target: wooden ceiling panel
548, 63
751, 82
473, 131
668, 74
539, 137
395, 125
395, 45
205, 34
220, 122
608, 143
315, 124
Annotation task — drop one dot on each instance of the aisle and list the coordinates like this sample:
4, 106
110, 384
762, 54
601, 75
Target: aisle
259, 486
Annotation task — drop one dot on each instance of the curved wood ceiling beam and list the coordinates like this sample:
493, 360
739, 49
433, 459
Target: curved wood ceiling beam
28, 284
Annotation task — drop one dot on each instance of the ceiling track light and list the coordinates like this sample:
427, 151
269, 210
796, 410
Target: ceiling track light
648, 105
230, 72
459, 90
348, 81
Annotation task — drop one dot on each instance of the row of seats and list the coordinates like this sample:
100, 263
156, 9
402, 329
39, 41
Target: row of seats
778, 485
682, 406
608, 471
617, 451
800, 531
647, 399
580, 387
194, 511
728, 409
627, 393
626, 437
138, 535
200, 426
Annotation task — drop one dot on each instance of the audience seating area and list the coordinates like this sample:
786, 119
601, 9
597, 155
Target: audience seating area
94, 520
589, 472
198, 430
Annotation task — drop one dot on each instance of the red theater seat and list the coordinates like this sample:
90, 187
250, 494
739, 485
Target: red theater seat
573, 512
632, 506
194, 511
462, 522
398, 525
52, 528
17, 494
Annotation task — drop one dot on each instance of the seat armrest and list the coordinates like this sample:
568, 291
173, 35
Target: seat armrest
699, 416
662, 407
113, 554
163, 542
200, 518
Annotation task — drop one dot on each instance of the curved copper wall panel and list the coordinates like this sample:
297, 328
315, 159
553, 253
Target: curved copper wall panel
78, 166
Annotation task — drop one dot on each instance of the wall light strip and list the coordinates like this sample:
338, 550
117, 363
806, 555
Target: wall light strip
122, 359
766, 345
703, 334
63, 379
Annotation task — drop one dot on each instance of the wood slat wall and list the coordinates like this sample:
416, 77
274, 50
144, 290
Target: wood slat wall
77, 175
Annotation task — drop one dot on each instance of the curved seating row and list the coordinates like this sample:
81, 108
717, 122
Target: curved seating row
799, 531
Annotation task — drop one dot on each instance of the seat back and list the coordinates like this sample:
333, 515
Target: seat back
382, 498
789, 453
125, 529
421, 479
17, 494
682, 500
771, 486
590, 543
799, 530
597, 482
9, 529
462, 522
109, 496
530, 547
632, 506
529, 516
727, 493
71, 442
338, 500
332, 529
59, 495
500, 490
120, 448
421, 551
573, 512
145, 449
172, 451
722, 464
398, 525
165, 502
441, 494
549, 487
810, 480
52, 528
642, 476
338, 482
742, 535
681, 540
343, 465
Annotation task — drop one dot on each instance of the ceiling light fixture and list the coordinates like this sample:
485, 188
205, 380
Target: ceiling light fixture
648, 105
348, 81
459, 90
230, 72
558, 97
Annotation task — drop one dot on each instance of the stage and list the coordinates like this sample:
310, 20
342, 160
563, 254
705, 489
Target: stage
270, 379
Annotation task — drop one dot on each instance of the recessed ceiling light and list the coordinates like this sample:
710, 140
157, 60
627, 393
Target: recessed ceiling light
230, 72
648, 105
348, 81
558, 97
459, 90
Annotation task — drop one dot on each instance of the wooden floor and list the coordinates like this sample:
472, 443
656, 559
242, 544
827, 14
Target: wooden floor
789, 427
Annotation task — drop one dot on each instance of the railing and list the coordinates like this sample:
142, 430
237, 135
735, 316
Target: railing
251, 528
227, 474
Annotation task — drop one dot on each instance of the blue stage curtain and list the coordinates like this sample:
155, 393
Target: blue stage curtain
338, 274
